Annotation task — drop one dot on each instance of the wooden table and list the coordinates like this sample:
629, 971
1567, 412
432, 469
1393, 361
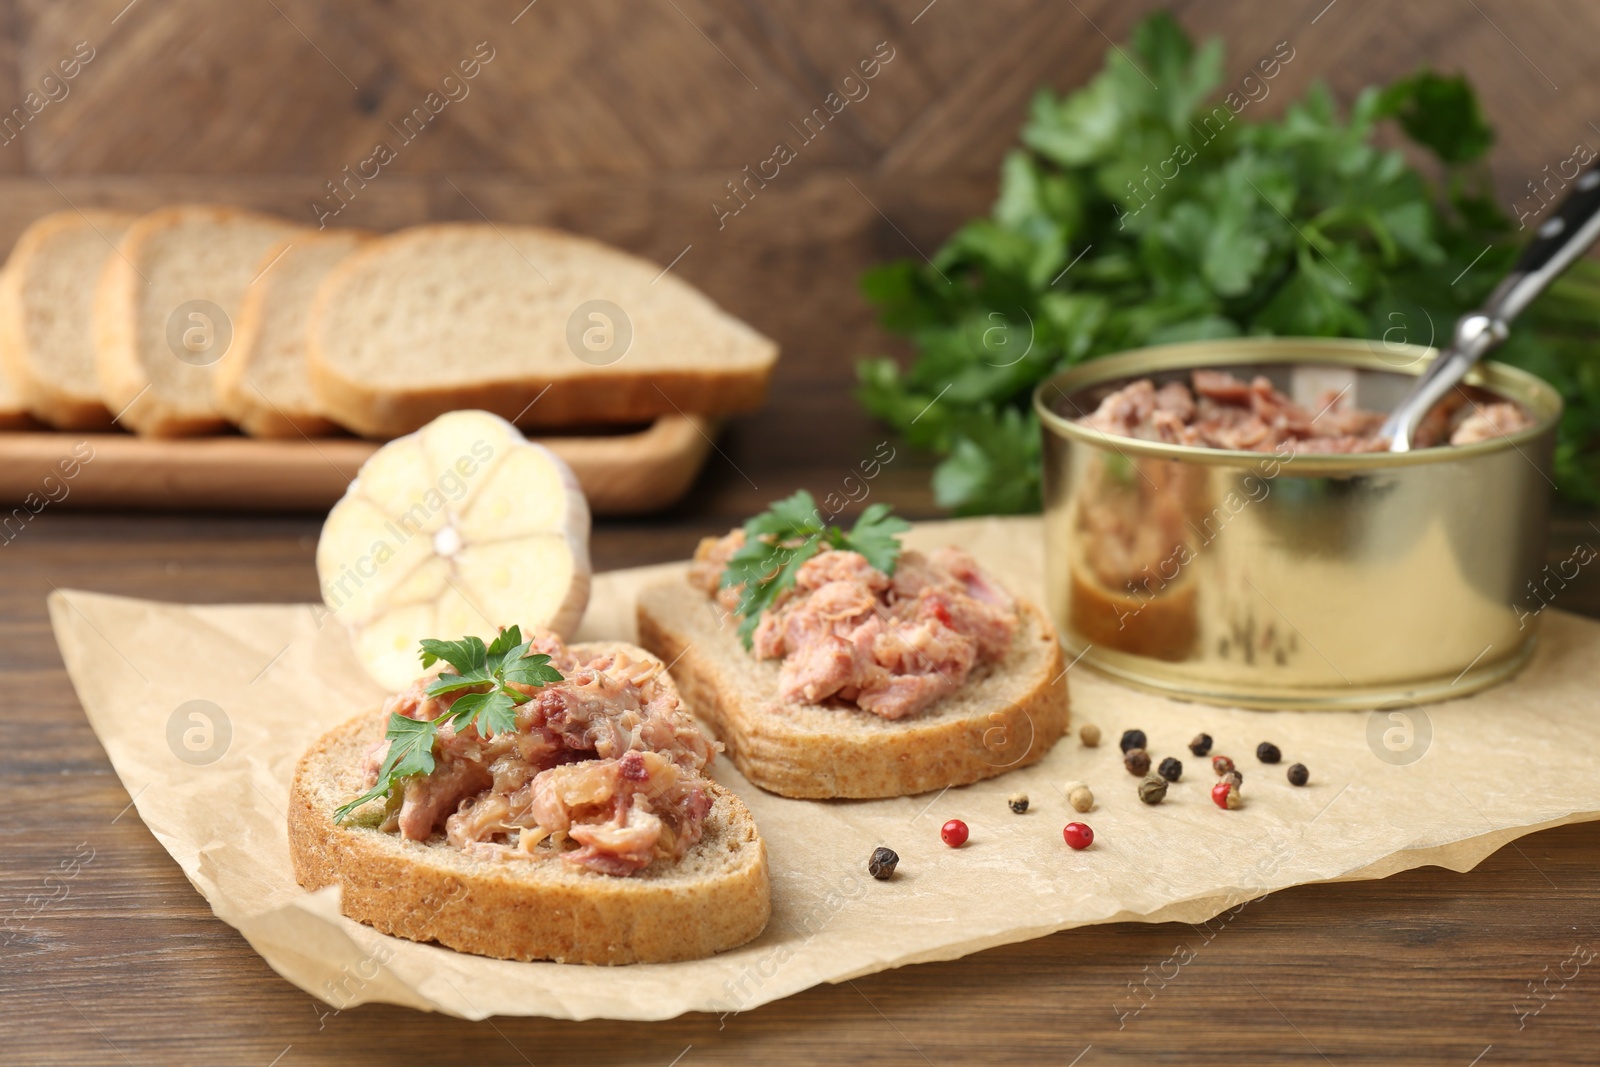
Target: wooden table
126, 964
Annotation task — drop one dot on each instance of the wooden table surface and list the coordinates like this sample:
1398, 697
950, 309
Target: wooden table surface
624, 121
126, 964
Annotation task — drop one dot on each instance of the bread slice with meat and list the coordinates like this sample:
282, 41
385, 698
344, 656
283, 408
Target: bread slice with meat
717, 897
539, 327
1007, 715
263, 384
166, 308
46, 315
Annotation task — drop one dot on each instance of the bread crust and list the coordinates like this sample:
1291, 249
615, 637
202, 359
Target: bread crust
716, 898
1008, 715
118, 362
46, 396
576, 397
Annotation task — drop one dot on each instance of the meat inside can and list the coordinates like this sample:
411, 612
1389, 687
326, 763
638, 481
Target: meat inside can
1224, 523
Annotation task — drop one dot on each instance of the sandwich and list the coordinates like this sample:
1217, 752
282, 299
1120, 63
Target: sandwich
834, 664
46, 310
529, 800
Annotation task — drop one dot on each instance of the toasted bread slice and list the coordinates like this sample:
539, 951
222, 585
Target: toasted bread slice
166, 309
46, 315
441, 317
263, 384
1007, 715
717, 897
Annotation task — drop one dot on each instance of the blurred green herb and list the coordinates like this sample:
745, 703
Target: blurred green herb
1133, 215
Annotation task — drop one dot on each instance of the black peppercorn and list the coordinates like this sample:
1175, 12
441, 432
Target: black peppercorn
1137, 761
1201, 744
1132, 739
1171, 769
1018, 802
1267, 752
1153, 790
882, 864
1234, 778
1298, 775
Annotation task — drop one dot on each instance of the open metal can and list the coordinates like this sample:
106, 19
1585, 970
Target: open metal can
1284, 580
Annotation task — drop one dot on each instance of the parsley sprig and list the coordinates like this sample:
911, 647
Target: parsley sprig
779, 540
489, 672
1138, 210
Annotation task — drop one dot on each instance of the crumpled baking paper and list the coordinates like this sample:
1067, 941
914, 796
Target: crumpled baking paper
1445, 785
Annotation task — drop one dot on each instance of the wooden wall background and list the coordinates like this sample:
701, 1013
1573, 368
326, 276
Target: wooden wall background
623, 119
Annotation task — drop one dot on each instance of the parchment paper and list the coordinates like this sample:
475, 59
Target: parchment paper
1496, 766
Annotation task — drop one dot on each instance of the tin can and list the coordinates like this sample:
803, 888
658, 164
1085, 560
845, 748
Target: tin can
1283, 580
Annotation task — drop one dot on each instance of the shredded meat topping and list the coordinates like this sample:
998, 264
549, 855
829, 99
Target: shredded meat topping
604, 769
849, 632
1224, 412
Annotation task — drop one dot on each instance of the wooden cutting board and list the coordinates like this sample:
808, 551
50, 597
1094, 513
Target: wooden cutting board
621, 473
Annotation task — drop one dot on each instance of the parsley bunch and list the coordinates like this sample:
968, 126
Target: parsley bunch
489, 672
1135, 215
788, 533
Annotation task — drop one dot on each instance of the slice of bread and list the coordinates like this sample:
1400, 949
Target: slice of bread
46, 315
717, 897
1006, 716
13, 413
166, 310
495, 317
262, 382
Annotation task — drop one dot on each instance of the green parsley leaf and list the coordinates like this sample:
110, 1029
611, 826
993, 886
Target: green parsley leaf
530, 670
876, 536
410, 752
504, 643
489, 671
467, 655
450, 683
791, 531
1151, 205
492, 713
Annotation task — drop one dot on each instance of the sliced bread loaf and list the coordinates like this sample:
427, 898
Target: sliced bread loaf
166, 310
46, 315
262, 383
717, 897
1007, 715
13, 413
540, 327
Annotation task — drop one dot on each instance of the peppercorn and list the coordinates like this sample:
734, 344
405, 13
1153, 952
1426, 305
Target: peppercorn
1221, 764
1171, 769
1132, 739
1137, 761
1298, 775
1267, 752
1079, 796
1077, 835
953, 833
1201, 744
1235, 779
1153, 790
1226, 795
1089, 734
882, 864
1018, 802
